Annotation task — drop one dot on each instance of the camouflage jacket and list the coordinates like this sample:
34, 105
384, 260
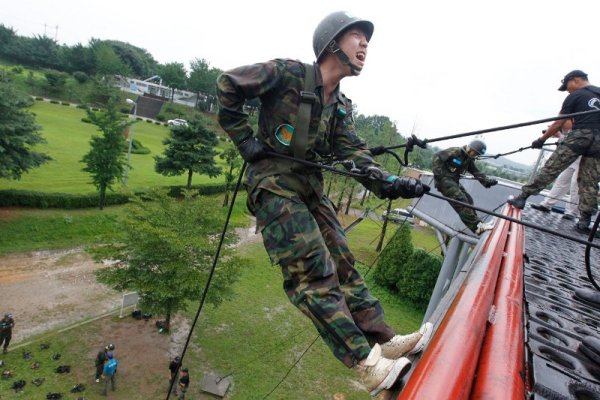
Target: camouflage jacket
278, 84
453, 162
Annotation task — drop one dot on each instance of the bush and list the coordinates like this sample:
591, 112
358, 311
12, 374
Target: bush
125, 110
139, 118
410, 272
54, 101
157, 123
80, 77
149, 121
39, 98
27, 198
64, 103
17, 69
137, 148
418, 276
397, 252
204, 190
86, 120
161, 117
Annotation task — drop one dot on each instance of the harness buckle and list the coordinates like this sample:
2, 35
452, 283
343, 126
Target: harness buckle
308, 97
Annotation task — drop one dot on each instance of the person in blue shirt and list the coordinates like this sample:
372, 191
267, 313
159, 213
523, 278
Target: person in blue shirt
109, 373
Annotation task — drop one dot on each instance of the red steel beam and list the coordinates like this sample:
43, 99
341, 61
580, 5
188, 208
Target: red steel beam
501, 370
447, 367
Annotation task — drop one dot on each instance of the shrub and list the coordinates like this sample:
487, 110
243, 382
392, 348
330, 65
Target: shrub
137, 148
157, 123
161, 117
27, 198
39, 98
418, 276
54, 101
86, 120
64, 103
17, 69
149, 121
410, 272
397, 252
80, 77
125, 110
139, 118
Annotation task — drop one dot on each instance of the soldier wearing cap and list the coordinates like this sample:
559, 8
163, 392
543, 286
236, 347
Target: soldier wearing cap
584, 141
6, 325
448, 165
305, 115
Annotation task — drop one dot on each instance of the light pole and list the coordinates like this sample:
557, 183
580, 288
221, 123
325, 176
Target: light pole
130, 137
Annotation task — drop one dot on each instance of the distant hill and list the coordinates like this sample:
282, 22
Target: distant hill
503, 162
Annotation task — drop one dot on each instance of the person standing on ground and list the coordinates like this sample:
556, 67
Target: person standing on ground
565, 183
448, 166
6, 325
184, 383
109, 373
101, 359
584, 141
173, 367
304, 115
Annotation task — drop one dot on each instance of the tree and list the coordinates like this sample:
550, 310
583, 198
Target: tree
18, 134
174, 76
166, 252
202, 80
190, 148
106, 161
108, 63
55, 80
233, 160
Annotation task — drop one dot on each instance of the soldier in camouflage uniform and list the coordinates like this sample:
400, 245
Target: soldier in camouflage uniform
584, 141
448, 165
298, 222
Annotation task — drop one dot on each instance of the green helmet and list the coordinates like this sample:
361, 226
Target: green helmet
477, 146
334, 24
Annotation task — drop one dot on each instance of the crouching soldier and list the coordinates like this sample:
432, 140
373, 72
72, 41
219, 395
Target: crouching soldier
448, 165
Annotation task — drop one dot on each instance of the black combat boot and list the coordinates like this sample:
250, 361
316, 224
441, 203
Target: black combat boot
519, 201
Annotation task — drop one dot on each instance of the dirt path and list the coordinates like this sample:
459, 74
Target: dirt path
49, 289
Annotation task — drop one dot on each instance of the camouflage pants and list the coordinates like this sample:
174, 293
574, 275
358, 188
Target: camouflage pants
319, 275
454, 190
584, 142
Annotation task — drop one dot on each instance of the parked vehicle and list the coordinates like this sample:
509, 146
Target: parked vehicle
398, 215
177, 122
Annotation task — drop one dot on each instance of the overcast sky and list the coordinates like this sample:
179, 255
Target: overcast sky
444, 67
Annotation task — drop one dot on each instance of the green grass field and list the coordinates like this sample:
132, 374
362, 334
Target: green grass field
256, 337
68, 140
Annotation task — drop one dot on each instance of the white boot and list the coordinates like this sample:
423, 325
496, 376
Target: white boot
410, 344
379, 373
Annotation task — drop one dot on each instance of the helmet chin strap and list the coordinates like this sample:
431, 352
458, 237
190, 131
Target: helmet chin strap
335, 49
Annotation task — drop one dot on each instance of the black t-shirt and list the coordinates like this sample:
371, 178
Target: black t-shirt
173, 366
185, 380
6, 325
584, 99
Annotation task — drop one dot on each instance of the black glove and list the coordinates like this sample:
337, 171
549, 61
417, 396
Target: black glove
403, 187
537, 144
488, 183
252, 149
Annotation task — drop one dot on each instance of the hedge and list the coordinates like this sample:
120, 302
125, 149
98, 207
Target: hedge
30, 198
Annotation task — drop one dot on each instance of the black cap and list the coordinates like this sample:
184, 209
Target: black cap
573, 74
